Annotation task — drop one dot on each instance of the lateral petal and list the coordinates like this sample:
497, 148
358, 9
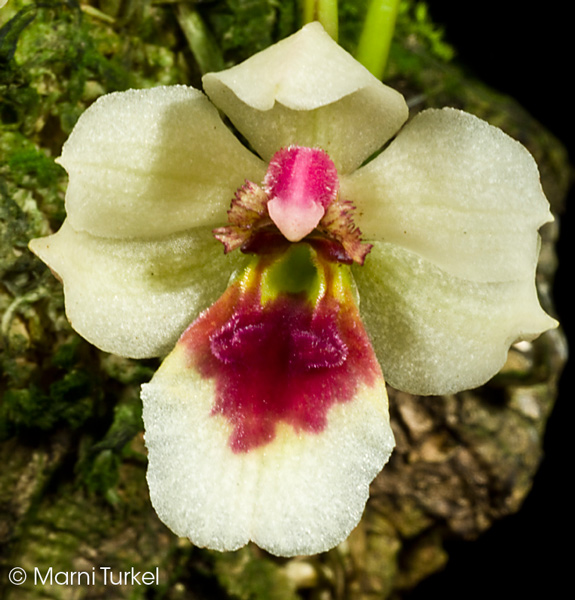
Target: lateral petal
456, 191
153, 162
440, 333
135, 297
306, 90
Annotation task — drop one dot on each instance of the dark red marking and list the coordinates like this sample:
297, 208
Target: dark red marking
270, 241
285, 362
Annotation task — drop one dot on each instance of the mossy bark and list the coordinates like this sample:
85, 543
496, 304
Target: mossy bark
73, 494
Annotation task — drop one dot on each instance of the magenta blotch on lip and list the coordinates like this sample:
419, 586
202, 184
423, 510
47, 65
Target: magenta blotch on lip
285, 360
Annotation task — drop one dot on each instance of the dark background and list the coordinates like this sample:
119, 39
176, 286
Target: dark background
525, 50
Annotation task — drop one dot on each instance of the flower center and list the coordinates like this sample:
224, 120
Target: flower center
299, 198
301, 183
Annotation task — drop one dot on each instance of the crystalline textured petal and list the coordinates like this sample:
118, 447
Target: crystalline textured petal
135, 297
307, 90
439, 333
458, 192
147, 163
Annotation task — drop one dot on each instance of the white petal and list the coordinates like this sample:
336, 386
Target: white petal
457, 191
435, 333
135, 298
307, 90
153, 162
300, 494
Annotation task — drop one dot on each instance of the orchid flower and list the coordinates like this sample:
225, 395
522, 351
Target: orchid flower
268, 419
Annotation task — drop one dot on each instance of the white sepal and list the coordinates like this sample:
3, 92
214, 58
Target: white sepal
306, 90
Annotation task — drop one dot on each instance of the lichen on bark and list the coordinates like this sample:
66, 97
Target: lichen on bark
72, 485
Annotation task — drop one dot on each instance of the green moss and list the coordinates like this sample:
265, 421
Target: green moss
247, 576
68, 401
27, 162
100, 460
10, 33
414, 20
244, 27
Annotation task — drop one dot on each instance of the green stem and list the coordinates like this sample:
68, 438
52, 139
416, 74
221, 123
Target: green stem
324, 11
203, 47
375, 40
